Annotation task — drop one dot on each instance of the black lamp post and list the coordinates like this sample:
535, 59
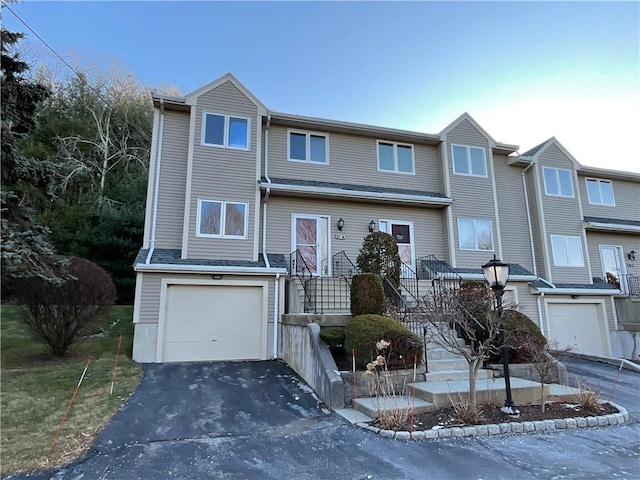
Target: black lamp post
497, 273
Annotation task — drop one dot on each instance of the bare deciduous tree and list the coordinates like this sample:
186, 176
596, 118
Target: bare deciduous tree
466, 313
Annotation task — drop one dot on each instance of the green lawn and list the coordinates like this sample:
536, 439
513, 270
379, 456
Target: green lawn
36, 389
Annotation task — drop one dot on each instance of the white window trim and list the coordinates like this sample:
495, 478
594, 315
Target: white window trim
223, 212
395, 157
226, 131
600, 180
475, 236
556, 170
554, 255
308, 135
468, 148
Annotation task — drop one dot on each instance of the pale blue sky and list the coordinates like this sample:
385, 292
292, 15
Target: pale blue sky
525, 71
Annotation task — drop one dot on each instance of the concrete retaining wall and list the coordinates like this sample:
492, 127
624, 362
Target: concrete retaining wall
527, 371
300, 346
625, 344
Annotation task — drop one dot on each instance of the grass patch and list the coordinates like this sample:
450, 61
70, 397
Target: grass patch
36, 389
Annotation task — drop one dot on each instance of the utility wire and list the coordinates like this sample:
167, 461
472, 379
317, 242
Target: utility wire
78, 74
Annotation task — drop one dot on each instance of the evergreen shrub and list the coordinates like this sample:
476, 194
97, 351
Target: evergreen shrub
367, 296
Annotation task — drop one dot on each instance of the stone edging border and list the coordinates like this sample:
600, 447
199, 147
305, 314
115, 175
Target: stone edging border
508, 427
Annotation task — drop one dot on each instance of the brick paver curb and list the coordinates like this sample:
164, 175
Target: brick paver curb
509, 427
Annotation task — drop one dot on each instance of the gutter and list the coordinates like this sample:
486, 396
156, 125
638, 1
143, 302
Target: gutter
276, 311
171, 267
268, 192
154, 220
576, 291
526, 202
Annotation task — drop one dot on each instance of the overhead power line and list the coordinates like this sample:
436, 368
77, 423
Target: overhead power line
81, 77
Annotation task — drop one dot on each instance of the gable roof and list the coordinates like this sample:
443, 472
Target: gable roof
501, 147
535, 152
227, 77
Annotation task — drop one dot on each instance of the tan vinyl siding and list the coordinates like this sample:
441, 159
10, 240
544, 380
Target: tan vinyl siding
562, 217
527, 303
628, 242
173, 175
223, 174
150, 298
626, 196
428, 224
353, 159
516, 246
535, 223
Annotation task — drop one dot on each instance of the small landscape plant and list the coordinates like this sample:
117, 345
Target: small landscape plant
383, 387
332, 336
586, 397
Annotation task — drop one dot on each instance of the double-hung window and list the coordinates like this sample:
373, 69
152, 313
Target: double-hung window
308, 147
395, 157
557, 182
475, 234
469, 161
567, 251
218, 219
225, 131
600, 192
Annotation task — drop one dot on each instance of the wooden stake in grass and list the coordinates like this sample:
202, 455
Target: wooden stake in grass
115, 366
616, 381
413, 395
66, 412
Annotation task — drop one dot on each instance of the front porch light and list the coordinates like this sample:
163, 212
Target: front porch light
631, 255
340, 224
372, 226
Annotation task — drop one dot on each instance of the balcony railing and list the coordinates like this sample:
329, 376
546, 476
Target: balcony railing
627, 284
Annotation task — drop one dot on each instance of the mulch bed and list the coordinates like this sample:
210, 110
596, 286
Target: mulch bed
446, 417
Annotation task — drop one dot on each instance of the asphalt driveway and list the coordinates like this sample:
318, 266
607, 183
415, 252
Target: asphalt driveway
258, 420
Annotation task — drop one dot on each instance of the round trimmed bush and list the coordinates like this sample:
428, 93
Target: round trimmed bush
521, 330
332, 336
364, 331
367, 296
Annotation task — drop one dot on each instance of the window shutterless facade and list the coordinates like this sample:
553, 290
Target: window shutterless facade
395, 157
308, 147
469, 161
557, 182
567, 251
600, 192
226, 131
475, 234
218, 219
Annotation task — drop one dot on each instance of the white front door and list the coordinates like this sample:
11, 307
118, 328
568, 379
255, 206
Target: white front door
310, 236
613, 267
403, 234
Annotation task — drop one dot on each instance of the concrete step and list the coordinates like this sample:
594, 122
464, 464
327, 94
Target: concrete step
439, 353
457, 363
447, 375
371, 405
442, 394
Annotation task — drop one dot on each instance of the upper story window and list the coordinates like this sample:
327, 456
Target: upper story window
567, 251
557, 182
469, 161
225, 131
395, 157
308, 147
475, 234
600, 192
218, 219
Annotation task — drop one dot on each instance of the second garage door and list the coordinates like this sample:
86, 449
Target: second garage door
205, 322
580, 326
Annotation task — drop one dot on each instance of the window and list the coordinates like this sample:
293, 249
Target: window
222, 219
475, 234
225, 131
469, 161
395, 157
557, 182
600, 192
308, 147
567, 251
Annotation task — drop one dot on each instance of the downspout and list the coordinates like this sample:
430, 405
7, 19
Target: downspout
154, 220
526, 202
540, 312
276, 311
266, 196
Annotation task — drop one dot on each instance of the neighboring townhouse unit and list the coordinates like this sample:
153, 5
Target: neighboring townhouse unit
253, 213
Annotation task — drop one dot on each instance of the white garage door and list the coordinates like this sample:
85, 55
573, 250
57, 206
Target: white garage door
219, 322
577, 325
